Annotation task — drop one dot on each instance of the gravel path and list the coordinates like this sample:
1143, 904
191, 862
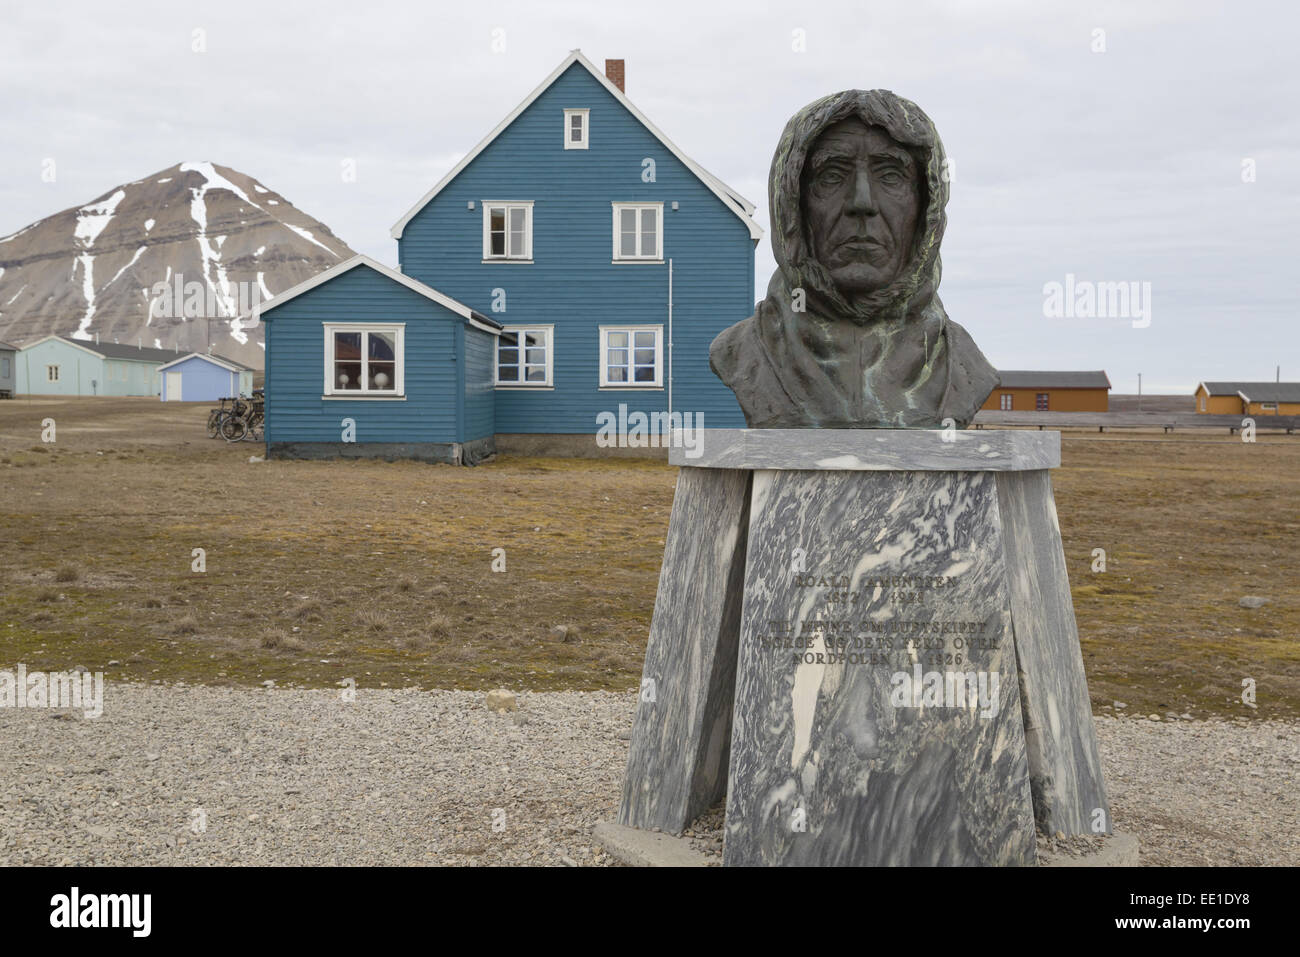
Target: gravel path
181, 775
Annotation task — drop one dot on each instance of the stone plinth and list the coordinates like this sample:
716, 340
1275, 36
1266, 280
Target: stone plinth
864, 639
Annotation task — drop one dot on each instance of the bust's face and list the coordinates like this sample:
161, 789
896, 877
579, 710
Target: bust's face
861, 198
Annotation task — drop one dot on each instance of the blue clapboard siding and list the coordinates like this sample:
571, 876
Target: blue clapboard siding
295, 362
572, 283
480, 404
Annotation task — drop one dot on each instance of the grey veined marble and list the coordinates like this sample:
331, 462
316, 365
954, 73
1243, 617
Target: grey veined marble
1064, 764
868, 449
877, 712
681, 735
869, 648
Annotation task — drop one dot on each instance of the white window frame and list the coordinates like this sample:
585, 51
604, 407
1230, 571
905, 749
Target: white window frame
397, 330
586, 129
526, 254
605, 382
1004, 403
549, 332
52, 373
658, 209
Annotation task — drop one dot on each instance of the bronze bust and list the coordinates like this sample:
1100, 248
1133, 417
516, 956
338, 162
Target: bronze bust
852, 334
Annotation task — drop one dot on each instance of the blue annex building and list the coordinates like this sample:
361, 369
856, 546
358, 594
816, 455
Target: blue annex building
576, 263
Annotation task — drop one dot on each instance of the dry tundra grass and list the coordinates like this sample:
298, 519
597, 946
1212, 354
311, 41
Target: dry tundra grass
319, 571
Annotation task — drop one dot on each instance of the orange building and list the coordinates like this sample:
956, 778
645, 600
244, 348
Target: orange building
1248, 398
1022, 391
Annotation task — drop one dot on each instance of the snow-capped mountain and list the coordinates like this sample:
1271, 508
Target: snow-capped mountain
174, 260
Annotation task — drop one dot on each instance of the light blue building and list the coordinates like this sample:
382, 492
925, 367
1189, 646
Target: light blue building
200, 377
610, 259
8, 375
57, 365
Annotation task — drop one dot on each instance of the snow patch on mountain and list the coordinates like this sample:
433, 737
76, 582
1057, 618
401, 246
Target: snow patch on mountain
92, 219
310, 238
134, 259
88, 290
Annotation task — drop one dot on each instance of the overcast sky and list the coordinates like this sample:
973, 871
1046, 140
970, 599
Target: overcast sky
1124, 165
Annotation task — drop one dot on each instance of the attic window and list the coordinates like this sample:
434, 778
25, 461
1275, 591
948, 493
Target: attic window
575, 129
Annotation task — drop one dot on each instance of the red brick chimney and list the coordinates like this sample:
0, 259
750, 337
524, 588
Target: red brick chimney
614, 73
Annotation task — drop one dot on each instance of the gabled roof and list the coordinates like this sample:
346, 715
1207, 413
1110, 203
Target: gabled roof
111, 350
730, 198
229, 364
476, 319
1271, 392
1254, 391
1022, 379
122, 350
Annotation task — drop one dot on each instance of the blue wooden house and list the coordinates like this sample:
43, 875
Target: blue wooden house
362, 361
609, 259
204, 377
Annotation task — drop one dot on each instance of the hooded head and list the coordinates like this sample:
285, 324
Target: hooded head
852, 333
863, 248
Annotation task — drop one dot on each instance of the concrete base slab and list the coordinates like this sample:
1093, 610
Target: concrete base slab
638, 848
1117, 850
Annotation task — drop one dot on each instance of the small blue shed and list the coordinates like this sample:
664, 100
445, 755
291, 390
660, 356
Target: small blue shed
204, 378
362, 362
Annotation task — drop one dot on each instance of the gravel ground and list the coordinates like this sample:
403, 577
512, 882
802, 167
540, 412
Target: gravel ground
201, 775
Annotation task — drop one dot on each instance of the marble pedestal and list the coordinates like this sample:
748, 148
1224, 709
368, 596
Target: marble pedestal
864, 639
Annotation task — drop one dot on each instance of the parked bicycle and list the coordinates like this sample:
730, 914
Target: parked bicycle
239, 418
246, 420
218, 415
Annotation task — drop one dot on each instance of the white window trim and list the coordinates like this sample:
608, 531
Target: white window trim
488, 205
52, 373
658, 330
659, 214
399, 367
550, 357
1005, 403
586, 129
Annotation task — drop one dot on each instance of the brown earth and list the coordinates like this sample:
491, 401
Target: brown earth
317, 571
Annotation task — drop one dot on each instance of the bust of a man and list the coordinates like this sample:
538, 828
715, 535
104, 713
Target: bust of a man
852, 334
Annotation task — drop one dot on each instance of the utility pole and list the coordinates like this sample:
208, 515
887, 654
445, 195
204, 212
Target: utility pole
1139, 391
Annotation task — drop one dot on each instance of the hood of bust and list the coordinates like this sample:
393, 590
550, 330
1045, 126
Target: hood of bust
918, 281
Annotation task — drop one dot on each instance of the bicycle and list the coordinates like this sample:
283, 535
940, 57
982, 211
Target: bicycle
217, 416
247, 419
